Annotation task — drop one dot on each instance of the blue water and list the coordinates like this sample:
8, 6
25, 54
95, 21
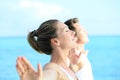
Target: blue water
104, 54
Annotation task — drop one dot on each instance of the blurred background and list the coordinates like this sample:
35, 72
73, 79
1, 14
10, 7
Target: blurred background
101, 18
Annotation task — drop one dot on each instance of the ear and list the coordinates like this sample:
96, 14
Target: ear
55, 41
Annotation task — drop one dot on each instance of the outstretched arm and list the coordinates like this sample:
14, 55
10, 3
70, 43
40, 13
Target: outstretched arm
26, 71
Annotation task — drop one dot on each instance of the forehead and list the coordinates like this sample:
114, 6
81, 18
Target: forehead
78, 25
61, 26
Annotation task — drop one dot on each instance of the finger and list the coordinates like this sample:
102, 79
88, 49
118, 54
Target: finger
80, 53
39, 69
23, 64
27, 63
40, 73
19, 65
18, 70
73, 50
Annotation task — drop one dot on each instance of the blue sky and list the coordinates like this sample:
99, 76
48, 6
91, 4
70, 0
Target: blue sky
99, 17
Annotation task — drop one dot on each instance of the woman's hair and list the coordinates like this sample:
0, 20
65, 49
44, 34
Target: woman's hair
40, 39
70, 23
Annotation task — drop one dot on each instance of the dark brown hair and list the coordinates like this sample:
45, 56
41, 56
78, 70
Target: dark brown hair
70, 23
40, 39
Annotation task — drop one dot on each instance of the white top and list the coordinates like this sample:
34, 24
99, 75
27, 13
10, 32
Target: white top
70, 78
85, 73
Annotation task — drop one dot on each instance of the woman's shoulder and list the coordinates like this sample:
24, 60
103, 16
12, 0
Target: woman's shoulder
51, 66
55, 68
49, 72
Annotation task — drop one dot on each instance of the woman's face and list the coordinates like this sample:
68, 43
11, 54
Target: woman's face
82, 33
66, 37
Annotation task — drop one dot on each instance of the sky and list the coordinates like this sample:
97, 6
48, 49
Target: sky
99, 17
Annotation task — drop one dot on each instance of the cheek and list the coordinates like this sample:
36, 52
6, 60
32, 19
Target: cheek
64, 43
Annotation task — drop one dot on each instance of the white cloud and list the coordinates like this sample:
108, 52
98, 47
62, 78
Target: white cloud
40, 9
27, 13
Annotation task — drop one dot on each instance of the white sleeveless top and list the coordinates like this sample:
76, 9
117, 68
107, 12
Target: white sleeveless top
85, 73
70, 78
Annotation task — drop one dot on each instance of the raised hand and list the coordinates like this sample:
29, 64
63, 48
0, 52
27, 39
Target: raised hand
26, 71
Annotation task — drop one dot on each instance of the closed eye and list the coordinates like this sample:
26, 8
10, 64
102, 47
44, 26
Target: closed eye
66, 30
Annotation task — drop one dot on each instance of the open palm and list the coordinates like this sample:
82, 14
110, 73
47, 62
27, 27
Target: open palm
26, 71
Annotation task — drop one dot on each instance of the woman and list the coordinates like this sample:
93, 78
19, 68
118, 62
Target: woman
78, 56
53, 38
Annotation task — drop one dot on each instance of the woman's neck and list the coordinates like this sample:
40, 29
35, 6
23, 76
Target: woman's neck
60, 58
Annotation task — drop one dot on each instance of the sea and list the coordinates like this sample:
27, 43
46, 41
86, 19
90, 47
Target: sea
104, 55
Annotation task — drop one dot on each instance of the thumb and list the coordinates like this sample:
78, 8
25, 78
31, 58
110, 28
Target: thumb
40, 72
79, 54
